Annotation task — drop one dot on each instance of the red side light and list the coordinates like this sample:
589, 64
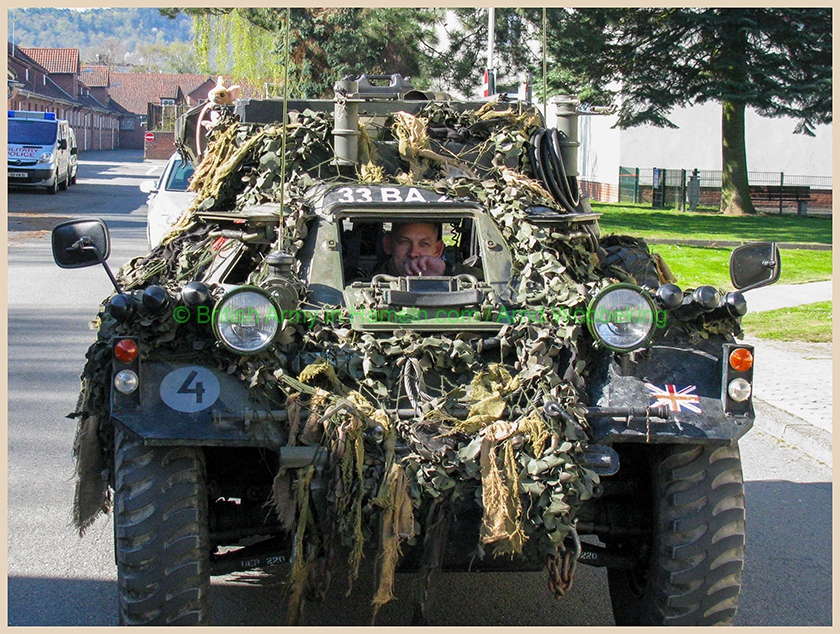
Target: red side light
126, 350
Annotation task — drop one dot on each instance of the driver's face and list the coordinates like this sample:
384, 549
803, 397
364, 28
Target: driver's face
411, 241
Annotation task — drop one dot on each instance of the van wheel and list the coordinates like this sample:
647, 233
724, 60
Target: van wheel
65, 183
52, 189
689, 568
161, 534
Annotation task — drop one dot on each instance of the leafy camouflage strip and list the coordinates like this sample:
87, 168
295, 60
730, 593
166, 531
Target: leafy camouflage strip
519, 464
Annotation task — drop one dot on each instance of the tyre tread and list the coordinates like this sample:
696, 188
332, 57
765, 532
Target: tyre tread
160, 508
695, 575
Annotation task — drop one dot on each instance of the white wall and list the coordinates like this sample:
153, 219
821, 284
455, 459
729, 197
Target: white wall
771, 145
599, 155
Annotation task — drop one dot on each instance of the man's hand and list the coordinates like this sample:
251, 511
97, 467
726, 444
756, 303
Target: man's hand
425, 265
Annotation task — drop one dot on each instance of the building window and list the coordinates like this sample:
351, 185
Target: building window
167, 102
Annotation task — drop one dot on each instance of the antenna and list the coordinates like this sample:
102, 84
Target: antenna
285, 128
545, 71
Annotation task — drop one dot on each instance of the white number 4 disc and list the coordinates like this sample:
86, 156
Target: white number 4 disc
189, 389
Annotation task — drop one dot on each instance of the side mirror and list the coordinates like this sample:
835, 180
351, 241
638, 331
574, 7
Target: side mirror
755, 265
62, 144
74, 150
83, 242
80, 243
149, 187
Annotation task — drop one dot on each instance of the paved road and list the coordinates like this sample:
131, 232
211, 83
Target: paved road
56, 578
794, 377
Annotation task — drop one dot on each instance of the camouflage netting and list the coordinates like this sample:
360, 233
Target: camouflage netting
517, 463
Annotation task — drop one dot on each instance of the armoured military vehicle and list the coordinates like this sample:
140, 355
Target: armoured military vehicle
265, 392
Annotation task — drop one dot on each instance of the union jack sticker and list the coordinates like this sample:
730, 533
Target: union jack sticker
677, 400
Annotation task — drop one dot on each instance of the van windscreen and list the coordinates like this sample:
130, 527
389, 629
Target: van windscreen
28, 132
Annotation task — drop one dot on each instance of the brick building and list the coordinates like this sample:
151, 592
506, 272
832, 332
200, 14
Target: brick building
150, 100
47, 80
107, 109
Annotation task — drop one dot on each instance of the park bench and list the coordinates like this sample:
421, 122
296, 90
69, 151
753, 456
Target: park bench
800, 194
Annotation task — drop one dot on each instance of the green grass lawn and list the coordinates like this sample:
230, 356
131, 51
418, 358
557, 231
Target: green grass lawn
811, 322
644, 222
694, 266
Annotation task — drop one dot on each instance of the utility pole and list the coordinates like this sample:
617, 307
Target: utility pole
490, 73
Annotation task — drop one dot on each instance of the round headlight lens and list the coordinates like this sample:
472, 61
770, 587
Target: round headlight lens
245, 320
622, 317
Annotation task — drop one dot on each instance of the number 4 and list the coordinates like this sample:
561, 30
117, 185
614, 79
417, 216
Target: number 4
198, 390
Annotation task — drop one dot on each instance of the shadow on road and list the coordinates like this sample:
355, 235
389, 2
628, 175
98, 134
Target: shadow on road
787, 582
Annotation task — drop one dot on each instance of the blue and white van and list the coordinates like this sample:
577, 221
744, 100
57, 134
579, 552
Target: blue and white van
38, 150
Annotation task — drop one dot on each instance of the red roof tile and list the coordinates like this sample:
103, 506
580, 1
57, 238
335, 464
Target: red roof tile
134, 91
94, 76
55, 60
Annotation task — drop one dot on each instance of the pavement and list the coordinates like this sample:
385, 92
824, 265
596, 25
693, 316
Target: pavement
793, 376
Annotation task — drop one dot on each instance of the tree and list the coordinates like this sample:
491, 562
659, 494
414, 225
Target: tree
462, 67
326, 44
176, 57
774, 60
110, 52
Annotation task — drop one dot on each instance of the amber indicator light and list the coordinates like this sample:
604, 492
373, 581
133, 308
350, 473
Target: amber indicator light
741, 359
126, 350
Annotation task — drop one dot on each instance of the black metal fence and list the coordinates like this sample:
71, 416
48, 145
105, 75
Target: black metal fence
685, 189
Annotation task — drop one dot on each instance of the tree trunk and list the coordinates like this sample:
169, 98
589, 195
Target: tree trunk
735, 189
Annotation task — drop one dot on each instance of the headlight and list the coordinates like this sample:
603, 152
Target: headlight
621, 317
46, 157
246, 320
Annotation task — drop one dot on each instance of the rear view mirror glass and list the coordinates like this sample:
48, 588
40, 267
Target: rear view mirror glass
79, 243
754, 265
149, 187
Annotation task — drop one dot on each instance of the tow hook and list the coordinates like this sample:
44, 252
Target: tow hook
601, 459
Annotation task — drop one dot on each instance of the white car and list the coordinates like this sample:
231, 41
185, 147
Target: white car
74, 157
168, 197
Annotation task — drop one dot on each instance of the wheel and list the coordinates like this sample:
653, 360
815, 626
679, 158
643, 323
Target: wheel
161, 534
689, 568
53, 189
73, 178
65, 183
632, 257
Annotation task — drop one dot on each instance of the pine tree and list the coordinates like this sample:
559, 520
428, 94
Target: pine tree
648, 61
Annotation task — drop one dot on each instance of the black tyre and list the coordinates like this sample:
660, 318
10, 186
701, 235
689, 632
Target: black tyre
161, 534
53, 189
689, 571
631, 257
65, 183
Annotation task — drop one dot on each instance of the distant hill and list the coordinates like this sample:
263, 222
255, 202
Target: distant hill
110, 32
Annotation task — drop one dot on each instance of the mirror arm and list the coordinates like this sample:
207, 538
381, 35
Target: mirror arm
84, 245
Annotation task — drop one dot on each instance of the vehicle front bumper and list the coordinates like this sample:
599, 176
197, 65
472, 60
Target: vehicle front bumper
32, 177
